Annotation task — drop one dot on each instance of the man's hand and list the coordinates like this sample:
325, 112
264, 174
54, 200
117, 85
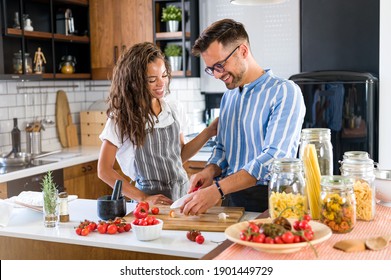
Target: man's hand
201, 201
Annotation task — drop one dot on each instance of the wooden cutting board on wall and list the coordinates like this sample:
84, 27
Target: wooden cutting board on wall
62, 112
204, 222
72, 138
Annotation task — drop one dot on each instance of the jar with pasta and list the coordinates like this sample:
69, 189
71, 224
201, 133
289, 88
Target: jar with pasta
321, 139
363, 170
338, 203
287, 195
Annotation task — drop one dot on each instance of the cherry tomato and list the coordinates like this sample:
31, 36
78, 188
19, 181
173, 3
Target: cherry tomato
120, 228
304, 225
92, 226
200, 239
140, 212
259, 238
269, 240
287, 237
307, 217
127, 227
144, 204
296, 239
155, 210
112, 229
102, 228
278, 240
253, 227
78, 230
192, 234
85, 231
296, 225
245, 236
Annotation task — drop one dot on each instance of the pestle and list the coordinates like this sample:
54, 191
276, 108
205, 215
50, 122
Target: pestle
117, 190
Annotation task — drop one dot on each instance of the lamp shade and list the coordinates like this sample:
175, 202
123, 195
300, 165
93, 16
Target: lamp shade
255, 2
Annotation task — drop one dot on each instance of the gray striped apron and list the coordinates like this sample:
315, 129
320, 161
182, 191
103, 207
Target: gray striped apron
158, 163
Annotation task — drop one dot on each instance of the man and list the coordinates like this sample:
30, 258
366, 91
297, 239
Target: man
260, 119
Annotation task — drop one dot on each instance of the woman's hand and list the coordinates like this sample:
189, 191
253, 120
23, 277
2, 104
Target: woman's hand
158, 199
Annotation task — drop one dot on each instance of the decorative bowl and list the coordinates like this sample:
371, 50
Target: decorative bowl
147, 233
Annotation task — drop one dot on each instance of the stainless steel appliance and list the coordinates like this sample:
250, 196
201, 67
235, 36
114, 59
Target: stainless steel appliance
347, 103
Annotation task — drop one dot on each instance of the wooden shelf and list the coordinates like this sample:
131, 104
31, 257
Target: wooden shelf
29, 34
73, 76
75, 2
71, 38
171, 35
180, 73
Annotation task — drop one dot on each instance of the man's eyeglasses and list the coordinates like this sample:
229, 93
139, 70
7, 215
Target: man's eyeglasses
219, 67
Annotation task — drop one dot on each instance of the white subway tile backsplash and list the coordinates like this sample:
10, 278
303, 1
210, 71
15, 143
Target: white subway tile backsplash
19, 100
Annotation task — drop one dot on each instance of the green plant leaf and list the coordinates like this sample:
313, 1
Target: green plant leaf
171, 12
173, 50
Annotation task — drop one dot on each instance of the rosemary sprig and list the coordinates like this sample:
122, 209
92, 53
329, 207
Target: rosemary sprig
49, 189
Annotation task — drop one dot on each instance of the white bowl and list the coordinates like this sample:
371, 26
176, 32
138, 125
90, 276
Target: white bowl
146, 233
383, 185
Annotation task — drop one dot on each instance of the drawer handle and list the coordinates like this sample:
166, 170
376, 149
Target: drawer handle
89, 168
83, 169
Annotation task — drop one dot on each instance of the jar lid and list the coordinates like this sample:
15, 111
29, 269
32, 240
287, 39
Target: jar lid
315, 133
337, 182
355, 163
63, 195
284, 164
356, 154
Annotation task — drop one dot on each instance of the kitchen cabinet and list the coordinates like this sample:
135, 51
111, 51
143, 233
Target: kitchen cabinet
185, 37
48, 20
193, 167
116, 25
82, 180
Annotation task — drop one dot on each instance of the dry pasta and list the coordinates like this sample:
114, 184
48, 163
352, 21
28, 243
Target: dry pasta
363, 194
312, 178
289, 204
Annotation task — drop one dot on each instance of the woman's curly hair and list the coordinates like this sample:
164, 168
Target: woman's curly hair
130, 102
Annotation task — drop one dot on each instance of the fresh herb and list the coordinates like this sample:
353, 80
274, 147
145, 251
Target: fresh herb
49, 189
173, 50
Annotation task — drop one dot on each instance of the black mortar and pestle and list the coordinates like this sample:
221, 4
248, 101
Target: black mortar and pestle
114, 205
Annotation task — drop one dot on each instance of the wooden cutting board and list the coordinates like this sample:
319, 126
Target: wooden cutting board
204, 222
62, 112
72, 138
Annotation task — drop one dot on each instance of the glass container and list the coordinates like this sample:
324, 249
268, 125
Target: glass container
321, 138
362, 169
18, 64
287, 195
338, 203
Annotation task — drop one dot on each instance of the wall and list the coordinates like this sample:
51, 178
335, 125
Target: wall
385, 85
26, 101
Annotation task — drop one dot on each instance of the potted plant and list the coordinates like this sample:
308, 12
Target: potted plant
172, 15
50, 200
174, 55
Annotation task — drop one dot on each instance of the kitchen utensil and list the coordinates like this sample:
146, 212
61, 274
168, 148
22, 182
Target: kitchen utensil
71, 133
378, 243
62, 112
110, 209
350, 245
46, 120
9, 154
117, 190
21, 159
33, 143
208, 221
178, 203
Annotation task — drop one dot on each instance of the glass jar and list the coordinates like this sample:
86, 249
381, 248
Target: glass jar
356, 154
321, 138
363, 171
287, 195
18, 65
338, 203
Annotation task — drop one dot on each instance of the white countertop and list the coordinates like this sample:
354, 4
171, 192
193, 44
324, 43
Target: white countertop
69, 157
26, 223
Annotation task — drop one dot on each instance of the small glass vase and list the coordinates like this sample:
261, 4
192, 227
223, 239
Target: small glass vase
50, 209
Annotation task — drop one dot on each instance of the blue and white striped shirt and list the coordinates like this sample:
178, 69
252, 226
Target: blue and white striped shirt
258, 124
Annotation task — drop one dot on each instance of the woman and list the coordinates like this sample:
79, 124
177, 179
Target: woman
143, 130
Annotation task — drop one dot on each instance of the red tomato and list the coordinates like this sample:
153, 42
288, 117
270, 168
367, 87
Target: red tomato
144, 204
245, 236
150, 220
259, 238
278, 240
85, 231
155, 222
155, 210
304, 225
140, 212
92, 226
253, 227
287, 237
102, 228
127, 227
120, 228
296, 239
269, 240
112, 229
296, 225
307, 217
78, 230
200, 239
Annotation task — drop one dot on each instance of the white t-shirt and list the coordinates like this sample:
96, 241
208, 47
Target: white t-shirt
126, 151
